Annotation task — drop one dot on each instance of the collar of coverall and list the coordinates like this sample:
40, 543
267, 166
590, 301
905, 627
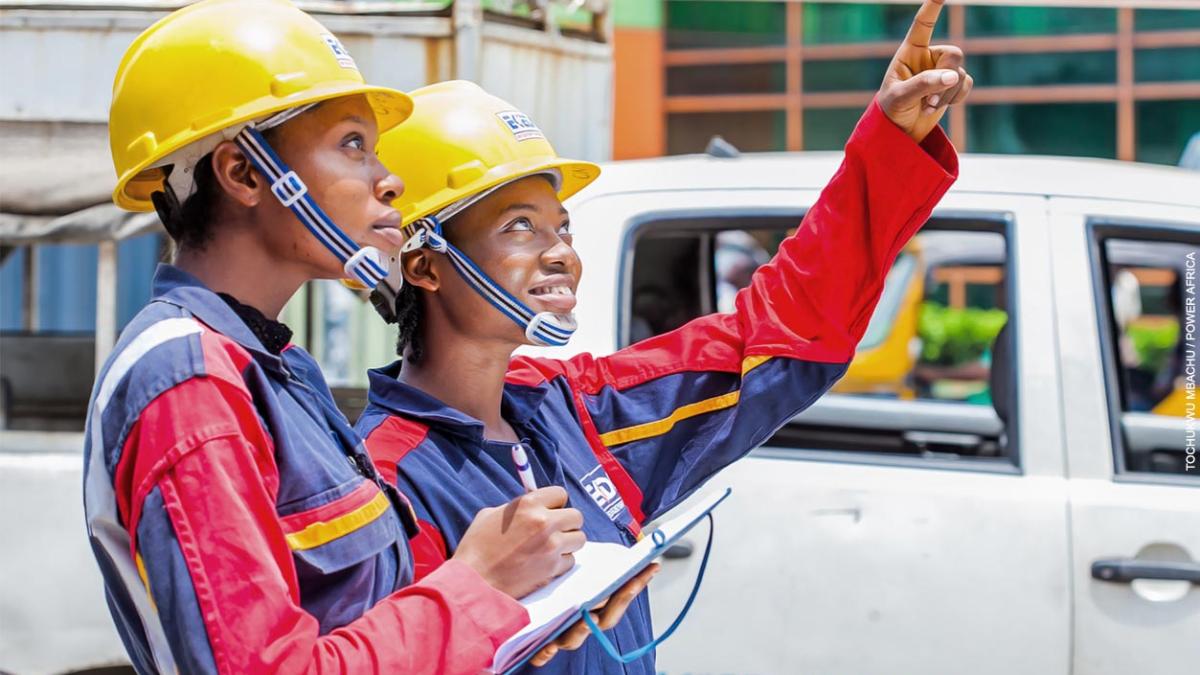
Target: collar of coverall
181, 289
521, 402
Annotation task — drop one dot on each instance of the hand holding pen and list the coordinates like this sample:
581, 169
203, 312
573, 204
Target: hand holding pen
520, 546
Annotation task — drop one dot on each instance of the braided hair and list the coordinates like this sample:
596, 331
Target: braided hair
408, 320
190, 224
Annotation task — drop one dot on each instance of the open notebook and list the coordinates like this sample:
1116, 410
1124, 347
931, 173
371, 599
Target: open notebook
600, 569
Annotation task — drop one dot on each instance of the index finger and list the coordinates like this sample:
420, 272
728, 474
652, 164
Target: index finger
920, 34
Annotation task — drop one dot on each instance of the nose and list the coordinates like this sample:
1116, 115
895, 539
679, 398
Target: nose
388, 187
561, 257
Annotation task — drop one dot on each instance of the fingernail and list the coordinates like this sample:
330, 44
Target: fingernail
933, 100
949, 77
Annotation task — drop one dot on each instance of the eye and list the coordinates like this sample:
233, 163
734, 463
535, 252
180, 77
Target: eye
565, 228
355, 141
519, 225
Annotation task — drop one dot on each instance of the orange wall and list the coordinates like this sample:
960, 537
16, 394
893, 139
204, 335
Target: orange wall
639, 124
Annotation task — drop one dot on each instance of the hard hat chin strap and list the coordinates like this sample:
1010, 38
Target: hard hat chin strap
541, 328
364, 264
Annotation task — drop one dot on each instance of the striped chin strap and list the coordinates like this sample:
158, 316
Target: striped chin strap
541, 328
366, 264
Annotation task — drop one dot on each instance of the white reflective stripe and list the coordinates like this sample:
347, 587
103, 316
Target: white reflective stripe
155, 335
100, 502
104, 525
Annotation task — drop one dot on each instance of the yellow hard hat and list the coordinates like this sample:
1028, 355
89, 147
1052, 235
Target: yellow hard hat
461, 142
218, 65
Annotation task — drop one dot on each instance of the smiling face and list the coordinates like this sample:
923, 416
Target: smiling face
520, 236
332, 149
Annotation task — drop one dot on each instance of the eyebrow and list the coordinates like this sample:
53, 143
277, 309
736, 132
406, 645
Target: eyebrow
354, 118
525, 206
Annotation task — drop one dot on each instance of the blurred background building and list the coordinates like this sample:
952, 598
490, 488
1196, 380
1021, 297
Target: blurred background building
1111, 79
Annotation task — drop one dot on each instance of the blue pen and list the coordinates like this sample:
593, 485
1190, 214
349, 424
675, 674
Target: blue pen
524, 470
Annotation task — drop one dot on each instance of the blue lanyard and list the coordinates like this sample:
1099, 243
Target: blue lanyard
638, 653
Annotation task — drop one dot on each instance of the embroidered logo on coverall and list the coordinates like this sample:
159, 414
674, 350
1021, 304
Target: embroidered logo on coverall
604, 493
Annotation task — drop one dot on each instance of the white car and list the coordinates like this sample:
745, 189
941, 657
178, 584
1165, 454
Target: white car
903, 524
906, 525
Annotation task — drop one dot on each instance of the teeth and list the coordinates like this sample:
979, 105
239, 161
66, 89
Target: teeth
553, 290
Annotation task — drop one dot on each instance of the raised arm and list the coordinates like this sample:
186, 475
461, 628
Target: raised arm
665, 414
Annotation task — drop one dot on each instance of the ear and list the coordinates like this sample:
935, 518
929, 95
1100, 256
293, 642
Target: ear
237, 176
419, 270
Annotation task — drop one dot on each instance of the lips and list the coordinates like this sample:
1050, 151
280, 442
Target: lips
393, 235
389, 229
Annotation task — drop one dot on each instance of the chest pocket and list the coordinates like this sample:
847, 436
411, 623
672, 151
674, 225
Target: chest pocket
341, 527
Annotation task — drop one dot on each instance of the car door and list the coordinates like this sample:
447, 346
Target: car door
879, 533
1124, 277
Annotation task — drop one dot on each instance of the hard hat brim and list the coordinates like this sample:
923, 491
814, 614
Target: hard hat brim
133, 190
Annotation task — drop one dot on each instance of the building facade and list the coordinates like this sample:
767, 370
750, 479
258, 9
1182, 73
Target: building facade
1110, 79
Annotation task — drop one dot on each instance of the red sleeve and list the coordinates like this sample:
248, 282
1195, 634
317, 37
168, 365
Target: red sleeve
814, 299
217, 494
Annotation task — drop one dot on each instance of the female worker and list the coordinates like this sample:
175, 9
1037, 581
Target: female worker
489, 267
237, 521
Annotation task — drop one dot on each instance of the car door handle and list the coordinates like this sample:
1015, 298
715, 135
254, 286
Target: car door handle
1125, 570
678, 550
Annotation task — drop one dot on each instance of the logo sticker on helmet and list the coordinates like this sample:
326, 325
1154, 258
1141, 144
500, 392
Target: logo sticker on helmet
522, 128
339, 51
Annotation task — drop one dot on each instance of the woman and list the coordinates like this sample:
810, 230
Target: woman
237, 521
489, 267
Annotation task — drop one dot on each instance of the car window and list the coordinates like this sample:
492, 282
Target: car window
1148, 289
935, 335
932, 333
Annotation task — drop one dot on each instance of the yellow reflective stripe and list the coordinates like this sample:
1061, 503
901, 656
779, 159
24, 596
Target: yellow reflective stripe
325, 531
141, 568
660, 427
751, 362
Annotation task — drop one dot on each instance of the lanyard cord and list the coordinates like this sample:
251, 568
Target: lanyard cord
643, 650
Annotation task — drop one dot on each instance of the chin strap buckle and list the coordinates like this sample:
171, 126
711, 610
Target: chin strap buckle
369, 266
289, 189
423, 238
548, 329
